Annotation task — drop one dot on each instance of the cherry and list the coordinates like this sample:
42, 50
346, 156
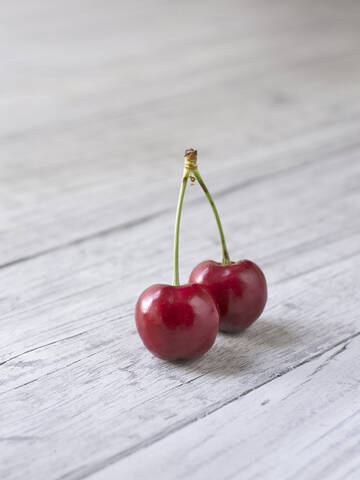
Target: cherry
239, 289
177, 321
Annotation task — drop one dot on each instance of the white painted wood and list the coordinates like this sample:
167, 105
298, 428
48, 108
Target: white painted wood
304, 425
101, 100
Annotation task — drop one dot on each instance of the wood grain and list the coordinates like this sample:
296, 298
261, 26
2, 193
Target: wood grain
303, 425
101, 100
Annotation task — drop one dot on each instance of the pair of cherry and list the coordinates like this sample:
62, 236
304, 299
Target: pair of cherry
181, 321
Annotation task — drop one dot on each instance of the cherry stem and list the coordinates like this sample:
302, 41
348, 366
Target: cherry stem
176, 278
225, 253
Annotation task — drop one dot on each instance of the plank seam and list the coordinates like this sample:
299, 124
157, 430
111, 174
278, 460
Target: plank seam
145, 219
79, 241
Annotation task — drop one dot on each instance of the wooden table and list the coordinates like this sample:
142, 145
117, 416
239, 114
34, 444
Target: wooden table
98, 102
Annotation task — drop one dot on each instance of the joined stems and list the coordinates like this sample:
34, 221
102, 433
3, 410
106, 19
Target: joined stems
190, 167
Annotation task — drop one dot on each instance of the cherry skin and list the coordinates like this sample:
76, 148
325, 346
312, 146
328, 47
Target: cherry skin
239, 289
177, 322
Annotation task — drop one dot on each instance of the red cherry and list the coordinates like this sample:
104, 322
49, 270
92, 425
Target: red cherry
239, 289
177, 322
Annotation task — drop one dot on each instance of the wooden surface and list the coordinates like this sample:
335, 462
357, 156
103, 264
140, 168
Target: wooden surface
98, 102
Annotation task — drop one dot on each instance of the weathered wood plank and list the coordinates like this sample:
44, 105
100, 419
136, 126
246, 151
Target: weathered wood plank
303, 425
96, 208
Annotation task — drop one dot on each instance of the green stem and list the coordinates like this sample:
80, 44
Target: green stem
225, 253
176, 279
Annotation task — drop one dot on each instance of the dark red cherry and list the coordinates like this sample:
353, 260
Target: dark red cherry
239, 289
177, 322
